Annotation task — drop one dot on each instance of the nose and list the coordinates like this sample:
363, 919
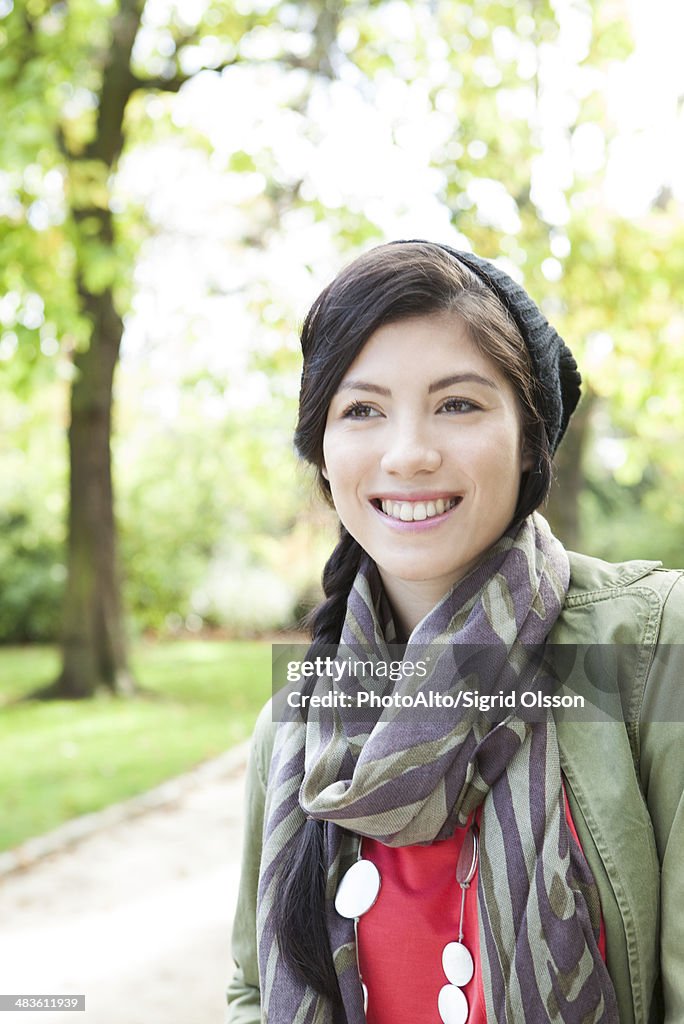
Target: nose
410, 452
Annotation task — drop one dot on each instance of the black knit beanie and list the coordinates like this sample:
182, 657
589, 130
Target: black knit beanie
554, 365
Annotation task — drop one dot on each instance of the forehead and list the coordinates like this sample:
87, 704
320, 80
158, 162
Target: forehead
417, 348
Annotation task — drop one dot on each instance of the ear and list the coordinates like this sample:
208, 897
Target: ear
527, 460
324, 473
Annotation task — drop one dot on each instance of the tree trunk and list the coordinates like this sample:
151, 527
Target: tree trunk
94, 640
94, 648
562, 509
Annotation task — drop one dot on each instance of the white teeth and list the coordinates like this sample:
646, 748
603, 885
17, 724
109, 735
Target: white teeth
409, 511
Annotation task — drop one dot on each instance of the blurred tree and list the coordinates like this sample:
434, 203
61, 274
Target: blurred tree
67, 76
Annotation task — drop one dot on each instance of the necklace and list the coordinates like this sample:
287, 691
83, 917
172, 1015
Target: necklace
357, 893
457, 960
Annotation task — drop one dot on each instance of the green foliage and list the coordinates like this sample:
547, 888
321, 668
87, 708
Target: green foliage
46, 82
32, 578
218, 503
628, 522
32, 468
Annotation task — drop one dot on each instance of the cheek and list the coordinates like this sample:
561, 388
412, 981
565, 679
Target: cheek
328, 457
336, 466
345, 455
495, 459
349, 467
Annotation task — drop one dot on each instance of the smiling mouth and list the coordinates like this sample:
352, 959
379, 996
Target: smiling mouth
415, 511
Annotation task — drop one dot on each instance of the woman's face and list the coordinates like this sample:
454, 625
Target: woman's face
423, 453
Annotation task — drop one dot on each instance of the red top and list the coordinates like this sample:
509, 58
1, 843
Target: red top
402, 936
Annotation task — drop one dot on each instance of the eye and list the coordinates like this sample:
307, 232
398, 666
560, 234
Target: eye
459, 405
359, 411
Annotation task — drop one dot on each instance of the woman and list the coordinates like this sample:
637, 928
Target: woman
453, 866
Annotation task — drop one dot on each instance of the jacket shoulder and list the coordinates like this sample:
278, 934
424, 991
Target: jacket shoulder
619, 602
263, 739
591, 576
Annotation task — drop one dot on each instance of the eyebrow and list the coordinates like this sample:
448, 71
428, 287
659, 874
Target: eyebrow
437, 385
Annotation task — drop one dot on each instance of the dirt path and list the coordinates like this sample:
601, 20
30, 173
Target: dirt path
136, 916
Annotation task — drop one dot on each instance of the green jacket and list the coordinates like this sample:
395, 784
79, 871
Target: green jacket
624, 782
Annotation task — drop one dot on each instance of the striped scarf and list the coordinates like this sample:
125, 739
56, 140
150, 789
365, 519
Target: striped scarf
402, 778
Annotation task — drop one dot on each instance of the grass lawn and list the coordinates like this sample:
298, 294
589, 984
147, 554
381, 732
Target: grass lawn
61, 759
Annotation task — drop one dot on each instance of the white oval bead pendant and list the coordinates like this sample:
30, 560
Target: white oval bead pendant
452, 1005
358, 890
457, 963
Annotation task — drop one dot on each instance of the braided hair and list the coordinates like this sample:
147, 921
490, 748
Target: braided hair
300, 910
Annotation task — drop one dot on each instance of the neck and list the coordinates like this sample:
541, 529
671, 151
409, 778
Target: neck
411, 600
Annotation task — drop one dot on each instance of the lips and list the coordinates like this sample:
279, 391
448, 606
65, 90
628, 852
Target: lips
415, 511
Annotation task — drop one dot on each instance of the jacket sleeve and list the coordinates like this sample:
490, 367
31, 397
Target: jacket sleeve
662, 776
244, 997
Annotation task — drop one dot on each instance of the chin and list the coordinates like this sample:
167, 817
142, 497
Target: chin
419, 573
